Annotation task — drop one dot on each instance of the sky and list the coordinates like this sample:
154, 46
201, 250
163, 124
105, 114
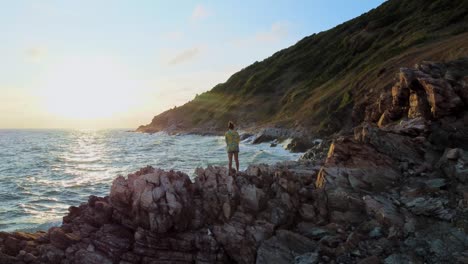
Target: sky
116, 63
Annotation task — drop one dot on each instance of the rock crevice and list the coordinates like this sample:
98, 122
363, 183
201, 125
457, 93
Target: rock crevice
394, 191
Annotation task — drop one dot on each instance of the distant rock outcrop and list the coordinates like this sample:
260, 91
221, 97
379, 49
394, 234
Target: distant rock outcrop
395, 191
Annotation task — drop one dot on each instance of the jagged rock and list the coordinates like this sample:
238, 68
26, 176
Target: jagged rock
418, 104
28, 236
269, 134
62, 240
419, 94
307, 176
261, 230
284, 247
51, 254
158, 200
428, 206
350, 165
28, 258
178, 246
252, 198
235, 238
450, 132
444, 243
308, 258
86, 229
121, 194
411, 127
245, 232
84, 256
318, 152
219, 194
453, 164
376, 232
395, 192
436, 183
245, 136
4, 258
12, 246
397, 259
453, 154
344, 207
398, 147
307, 212
113, 240
384, 210
441, 97
370, 260
260, 138
299, 145
311, 231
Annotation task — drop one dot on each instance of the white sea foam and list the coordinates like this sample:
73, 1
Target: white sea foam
42, 172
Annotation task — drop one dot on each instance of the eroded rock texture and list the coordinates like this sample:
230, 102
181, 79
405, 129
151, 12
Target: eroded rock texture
394, 191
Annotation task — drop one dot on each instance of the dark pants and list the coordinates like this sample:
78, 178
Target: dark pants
236, 159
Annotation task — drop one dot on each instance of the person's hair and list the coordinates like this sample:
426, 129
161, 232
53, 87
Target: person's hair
231, 125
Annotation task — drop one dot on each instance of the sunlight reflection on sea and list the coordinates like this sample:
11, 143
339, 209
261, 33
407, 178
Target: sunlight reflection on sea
43, 172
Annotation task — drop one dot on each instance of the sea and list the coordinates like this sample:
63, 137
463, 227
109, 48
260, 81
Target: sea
43, 172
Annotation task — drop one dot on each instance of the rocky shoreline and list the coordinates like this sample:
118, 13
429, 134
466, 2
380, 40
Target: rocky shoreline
395, 190
297, 140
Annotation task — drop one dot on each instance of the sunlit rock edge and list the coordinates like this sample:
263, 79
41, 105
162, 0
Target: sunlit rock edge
393, 192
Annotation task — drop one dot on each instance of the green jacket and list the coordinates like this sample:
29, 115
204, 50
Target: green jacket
232, 140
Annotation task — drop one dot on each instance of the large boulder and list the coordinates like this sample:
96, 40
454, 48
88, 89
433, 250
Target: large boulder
299, 145
351, 165
429, 91
272, 133
236, 239
453, 164
397, 146
62, 240
252, 198
153, 199
218, 195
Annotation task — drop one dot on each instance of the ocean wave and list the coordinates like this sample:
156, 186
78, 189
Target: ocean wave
64, 167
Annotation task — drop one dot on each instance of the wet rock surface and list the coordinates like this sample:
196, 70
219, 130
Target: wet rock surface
395, 191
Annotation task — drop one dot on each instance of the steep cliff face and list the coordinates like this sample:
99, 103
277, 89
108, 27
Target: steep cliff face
395, 191
326, 81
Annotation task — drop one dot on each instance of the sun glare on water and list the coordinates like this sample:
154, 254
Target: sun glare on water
80, 88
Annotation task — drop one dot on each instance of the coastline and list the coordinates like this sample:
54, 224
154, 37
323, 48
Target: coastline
64, 167
297, 140
162, 216
352, 123
394, 191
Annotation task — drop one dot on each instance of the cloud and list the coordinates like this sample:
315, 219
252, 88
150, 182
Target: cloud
200, 12
184, 56
173, 36
36, 54
278, 31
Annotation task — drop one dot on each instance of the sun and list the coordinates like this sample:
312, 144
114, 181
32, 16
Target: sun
87, 88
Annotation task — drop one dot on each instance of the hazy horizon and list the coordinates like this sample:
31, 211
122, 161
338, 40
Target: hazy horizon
116, 64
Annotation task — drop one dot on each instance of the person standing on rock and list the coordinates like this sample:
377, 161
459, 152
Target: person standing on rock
232, 145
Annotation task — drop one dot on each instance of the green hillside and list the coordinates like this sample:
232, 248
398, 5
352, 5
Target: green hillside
326, 81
